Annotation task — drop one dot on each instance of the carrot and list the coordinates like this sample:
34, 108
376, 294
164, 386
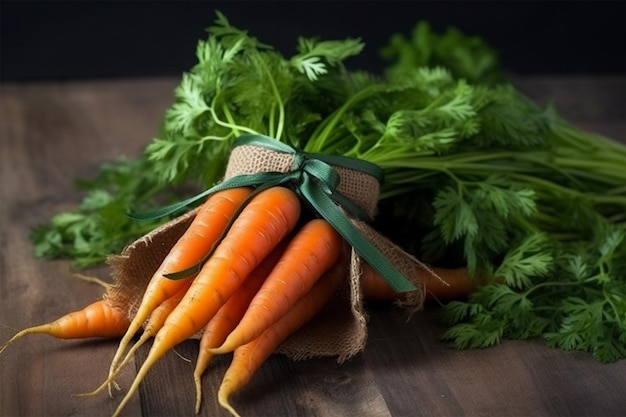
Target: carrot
454, 283
157, 318
262, 224
196, 242
248, 358
229, 315
99, 319
313, 250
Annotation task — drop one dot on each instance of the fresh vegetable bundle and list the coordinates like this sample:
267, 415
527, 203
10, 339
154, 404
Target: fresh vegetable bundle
530, 206
246, 270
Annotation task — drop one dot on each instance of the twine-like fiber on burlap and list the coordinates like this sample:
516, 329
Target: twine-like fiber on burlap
340, 329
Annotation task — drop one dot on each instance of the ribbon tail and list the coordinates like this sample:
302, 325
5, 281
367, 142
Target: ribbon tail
333, 215
167, 210
252, 180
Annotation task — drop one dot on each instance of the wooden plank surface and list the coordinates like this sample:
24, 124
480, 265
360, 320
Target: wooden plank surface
52, 133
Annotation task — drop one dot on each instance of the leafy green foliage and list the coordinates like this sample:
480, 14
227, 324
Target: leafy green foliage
571, 294
314, 56
99, 226
468, 57
484, 176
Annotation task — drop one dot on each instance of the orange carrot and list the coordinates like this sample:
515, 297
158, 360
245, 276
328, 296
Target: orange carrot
157, 318
454, 284
265, 221
313, 250
229, 315
248, 358
98, 319
192, 247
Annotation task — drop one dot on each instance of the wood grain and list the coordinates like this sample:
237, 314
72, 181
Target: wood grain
52, 133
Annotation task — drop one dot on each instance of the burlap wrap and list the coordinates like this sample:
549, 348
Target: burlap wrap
340, 330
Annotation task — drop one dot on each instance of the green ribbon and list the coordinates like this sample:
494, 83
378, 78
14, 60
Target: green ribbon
315, 180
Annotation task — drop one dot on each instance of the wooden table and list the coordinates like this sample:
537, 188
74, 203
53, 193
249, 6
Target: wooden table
52, 133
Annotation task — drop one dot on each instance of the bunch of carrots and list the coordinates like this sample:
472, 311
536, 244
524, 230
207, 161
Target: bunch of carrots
267, 268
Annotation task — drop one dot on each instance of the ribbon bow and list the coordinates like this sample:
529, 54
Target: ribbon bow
315, 179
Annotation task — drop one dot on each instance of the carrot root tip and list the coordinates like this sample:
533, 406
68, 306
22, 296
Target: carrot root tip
198, 384
31, 330
223, 401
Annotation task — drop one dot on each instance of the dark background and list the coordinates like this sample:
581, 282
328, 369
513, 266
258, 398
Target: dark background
87, 39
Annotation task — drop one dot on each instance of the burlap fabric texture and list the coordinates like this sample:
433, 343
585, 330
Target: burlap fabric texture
340, 330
